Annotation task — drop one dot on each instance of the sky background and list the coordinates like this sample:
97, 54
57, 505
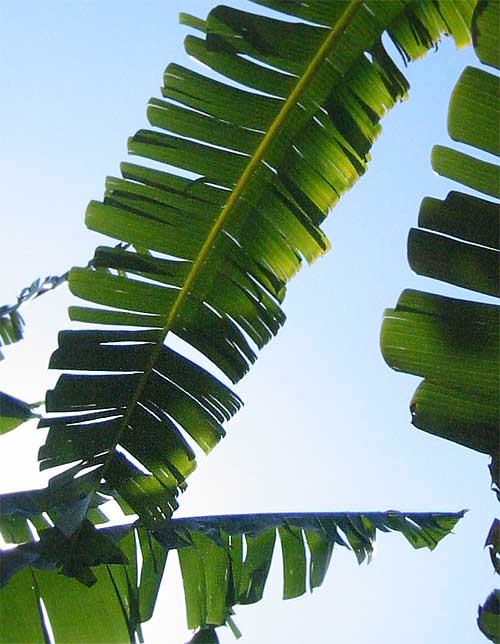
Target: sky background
326, 425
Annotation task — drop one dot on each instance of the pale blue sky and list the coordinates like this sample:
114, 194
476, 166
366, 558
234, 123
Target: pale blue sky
326, 423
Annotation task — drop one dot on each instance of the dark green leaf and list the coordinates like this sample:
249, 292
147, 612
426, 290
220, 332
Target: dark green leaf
294, 561
100, 616
444, 339
154, 558
65, 501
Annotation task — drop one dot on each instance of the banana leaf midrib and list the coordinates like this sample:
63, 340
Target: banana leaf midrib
332, 39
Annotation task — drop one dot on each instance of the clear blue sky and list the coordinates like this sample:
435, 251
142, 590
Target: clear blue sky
326, 423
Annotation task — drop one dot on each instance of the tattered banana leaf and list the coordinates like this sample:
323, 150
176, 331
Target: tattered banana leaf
454, 343
14, 412
267, 162
224, 560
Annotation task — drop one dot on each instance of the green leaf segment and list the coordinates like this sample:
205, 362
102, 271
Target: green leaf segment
213, 252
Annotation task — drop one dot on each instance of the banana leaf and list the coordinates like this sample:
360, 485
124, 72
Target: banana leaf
251, 171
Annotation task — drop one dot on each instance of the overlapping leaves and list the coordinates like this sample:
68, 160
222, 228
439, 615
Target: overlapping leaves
224, 560
214, 252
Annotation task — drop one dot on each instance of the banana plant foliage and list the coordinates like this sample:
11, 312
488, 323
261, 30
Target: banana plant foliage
206, 259
224, 560
211, 253
454, 343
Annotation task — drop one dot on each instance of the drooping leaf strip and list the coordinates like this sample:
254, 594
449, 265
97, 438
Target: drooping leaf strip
216, 251
453, 343
224, 560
